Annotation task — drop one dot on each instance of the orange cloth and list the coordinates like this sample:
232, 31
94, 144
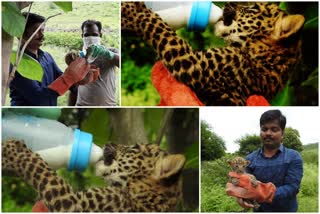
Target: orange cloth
256, 100
262, 193
39, 206
172, 92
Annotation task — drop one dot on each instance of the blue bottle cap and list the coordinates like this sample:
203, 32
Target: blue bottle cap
199, 17
81, 54
81, 150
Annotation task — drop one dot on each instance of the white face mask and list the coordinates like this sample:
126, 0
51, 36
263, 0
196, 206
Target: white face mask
90, 40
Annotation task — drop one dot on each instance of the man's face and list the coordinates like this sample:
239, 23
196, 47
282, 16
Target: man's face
38, 39
91, 30
271, 134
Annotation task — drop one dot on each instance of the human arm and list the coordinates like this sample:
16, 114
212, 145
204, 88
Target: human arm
32, 91
292, 180
261, 192
75, 72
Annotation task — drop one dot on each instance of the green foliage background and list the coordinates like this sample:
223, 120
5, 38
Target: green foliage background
250, 143
17, 196
138, 59
63, 32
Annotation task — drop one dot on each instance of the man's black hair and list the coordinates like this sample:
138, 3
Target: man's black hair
91, 23
33, 19
272, 115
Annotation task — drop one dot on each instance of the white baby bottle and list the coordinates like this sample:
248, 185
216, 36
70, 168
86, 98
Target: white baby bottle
195, 15
59, 145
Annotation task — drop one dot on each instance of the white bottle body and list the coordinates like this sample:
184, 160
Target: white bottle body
52, 140
177, 14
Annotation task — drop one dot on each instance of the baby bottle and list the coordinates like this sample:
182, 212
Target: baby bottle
59, 145
195, 15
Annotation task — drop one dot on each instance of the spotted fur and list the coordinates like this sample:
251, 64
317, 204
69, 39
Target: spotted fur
263, 48
238, 165
142, 178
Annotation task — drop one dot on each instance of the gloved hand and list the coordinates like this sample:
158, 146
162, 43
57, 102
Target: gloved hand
172, 92
91, 76
75, 72
95, 50
262, 193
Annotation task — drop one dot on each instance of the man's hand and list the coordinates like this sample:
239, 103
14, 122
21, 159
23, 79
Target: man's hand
172, 92
262, 193
244, 204
91, 76
96, 50
75, 72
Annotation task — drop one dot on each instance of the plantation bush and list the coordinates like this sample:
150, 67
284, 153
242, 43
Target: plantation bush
309, 184
73, 40
310, 156
64, 39
214, 199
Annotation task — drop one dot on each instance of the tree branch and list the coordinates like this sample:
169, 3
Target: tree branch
167, 115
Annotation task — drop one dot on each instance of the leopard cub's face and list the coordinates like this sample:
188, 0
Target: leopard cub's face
121, 163
238, 164
243, 20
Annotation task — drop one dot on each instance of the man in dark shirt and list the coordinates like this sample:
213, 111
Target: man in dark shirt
275, 164
27, 92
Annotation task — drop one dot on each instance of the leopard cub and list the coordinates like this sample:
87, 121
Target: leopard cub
238, 165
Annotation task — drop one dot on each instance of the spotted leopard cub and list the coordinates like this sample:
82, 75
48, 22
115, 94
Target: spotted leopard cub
263, 49
238, 165
142, 178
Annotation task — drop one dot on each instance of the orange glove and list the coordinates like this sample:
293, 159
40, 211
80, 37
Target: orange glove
75, 72
91, 76
172, 92
262, 193
256, 100
39, 207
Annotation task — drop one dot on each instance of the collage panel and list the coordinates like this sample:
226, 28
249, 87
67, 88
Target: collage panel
248, 53
100, 160
259, 159
73, 59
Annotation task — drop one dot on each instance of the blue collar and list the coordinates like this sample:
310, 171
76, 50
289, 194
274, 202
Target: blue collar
40, 53
280, 149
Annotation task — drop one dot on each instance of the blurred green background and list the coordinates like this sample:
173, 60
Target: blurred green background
138, 59
126, 126
63, 32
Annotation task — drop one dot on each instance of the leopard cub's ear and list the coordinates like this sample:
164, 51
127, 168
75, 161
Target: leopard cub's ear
287, 26
169, 165
247, 162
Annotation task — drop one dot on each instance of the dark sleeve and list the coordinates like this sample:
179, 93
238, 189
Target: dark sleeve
31, 90
55, 68
292, 179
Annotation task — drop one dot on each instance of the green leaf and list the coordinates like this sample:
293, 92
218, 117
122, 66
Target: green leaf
12, 21
312, 80
283, 5
65, 6
284, 98
192, 156
312, 23
96, 126
28, 67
